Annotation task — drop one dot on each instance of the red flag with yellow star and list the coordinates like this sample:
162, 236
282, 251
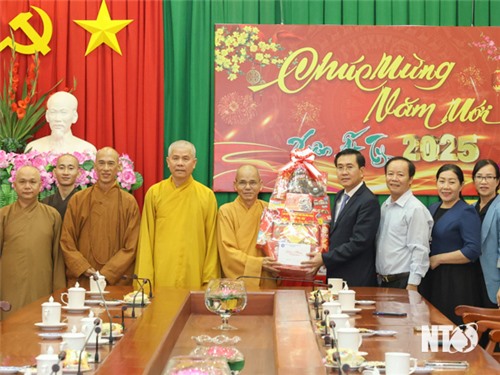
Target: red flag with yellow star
110, 53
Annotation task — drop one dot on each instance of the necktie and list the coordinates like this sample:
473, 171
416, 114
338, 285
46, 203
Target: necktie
345, 198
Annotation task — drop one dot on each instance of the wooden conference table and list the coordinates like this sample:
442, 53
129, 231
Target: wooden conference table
276, 330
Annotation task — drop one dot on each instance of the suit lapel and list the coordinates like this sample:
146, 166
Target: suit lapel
349, 203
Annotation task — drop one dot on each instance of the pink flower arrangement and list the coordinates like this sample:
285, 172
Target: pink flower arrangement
10, 162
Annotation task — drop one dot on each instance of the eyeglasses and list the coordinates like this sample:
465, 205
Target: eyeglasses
480, 178
243, 183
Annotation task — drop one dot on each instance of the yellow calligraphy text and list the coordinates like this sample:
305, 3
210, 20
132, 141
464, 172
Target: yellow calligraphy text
305, 66
388, 103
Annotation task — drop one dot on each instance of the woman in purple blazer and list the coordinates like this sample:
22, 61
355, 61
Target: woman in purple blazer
454, 277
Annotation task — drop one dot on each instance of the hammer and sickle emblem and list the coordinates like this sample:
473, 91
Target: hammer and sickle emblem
39, 42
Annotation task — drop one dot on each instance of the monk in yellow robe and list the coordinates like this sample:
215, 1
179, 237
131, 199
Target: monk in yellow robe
101, 227
237, 230
177, 245
31, 262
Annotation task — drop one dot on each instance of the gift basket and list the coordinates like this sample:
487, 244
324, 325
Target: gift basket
297, 220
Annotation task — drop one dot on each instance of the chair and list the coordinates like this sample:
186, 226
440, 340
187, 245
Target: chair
473, 317
494, 336
485, 323
462, 309
5, 306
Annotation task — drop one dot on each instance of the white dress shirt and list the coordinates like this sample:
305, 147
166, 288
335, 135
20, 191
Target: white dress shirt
403, 238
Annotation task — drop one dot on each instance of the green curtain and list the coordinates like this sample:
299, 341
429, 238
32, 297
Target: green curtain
189, 29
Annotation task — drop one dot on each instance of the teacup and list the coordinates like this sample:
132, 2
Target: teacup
397, 363
332, 307
93, 283
73, 340
75, 297
341, 321
336, 285
44, 363
349, 338
347, 299
88, 326
51, 312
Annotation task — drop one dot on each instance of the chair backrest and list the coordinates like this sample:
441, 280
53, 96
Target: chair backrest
494, 336
473, 317
463, 309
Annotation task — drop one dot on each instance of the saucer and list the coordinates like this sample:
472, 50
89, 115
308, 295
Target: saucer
365, 302
80, 309
9, 369
96, 294
93, 302
365, 332
114, 302
335, 366
50, 335
51, 326
351, 311
385, 332
102, 341
66, 370
371, 365
115, 337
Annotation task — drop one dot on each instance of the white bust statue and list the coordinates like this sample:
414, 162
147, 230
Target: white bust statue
61, 114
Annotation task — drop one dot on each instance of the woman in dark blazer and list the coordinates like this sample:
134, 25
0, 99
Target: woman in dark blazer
454, 276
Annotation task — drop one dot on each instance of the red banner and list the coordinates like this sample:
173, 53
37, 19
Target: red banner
430, 94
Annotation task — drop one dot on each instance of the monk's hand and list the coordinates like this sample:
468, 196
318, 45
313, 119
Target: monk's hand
91, 271
269, 264
498, 297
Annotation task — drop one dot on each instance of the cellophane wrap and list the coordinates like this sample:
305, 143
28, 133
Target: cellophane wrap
298, 212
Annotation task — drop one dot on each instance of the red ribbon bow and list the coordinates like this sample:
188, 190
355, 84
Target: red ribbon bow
304, 157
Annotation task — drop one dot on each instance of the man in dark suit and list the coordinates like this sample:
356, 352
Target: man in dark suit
356, 214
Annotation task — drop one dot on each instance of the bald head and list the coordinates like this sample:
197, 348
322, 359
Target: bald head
247, 169
66, 170
109, 151
248, 184
27, 185
107, 167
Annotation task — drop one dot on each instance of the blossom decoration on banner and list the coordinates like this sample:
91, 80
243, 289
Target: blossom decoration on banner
234, 48
488, 45
21, 113
128, 179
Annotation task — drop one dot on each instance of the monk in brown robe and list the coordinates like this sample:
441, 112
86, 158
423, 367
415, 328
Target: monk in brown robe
101, 227
31, 262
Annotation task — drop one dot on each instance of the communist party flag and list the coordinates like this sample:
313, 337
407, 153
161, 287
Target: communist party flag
110, 54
